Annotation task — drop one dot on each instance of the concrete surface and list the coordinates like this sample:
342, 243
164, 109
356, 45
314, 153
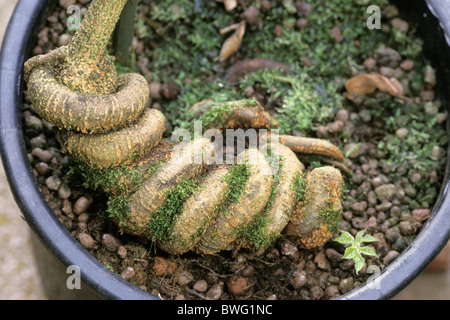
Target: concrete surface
18, 274
19, 279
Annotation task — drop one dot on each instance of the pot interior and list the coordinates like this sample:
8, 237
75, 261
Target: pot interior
58, 227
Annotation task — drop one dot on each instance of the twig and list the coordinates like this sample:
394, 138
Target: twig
339, 165
197, 294
209, 269
260, 260
229, 28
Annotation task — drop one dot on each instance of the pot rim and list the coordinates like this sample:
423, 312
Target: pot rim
41, 219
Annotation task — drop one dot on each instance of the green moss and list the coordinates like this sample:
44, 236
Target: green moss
216, 114
304, 100
414, 152
162, 221
189, 31
107, 179
118, 209
219, 110
117, 180
236, 179
178, 110
299, 185
331, 217
256, 233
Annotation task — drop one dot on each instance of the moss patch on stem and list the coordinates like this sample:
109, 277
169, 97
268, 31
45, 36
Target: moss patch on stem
118, 209
299, 185
119, 180
160, 225
331, 217
236, 179
256, 234
217, 114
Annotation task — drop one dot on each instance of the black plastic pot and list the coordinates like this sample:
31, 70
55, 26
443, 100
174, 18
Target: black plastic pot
56, 249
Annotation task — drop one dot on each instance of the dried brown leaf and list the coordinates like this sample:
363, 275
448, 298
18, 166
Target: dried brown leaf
229, 28
230, 5
365, 84
233, 43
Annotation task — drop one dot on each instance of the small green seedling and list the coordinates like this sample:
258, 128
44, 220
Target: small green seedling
354, 250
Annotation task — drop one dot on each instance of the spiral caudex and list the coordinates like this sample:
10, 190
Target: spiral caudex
87, 113
179, 195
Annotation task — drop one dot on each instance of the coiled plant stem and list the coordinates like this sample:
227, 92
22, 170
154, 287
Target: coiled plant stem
186, 202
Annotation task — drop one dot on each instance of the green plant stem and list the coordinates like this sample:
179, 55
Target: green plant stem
90, 41
123, 35
87, 68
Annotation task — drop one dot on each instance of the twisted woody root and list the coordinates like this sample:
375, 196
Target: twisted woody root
187, 202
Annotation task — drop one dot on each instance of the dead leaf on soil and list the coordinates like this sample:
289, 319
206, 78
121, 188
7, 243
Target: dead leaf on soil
229, 28
365, 84
230, 5
233, 43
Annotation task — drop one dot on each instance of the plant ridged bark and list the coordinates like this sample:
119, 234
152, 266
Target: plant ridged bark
226, 226
76, 87
312, 146
285, 197
153, 192
87, 68
113, 148
317, 217
104, 125
87, 113
198, 212
237, 114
